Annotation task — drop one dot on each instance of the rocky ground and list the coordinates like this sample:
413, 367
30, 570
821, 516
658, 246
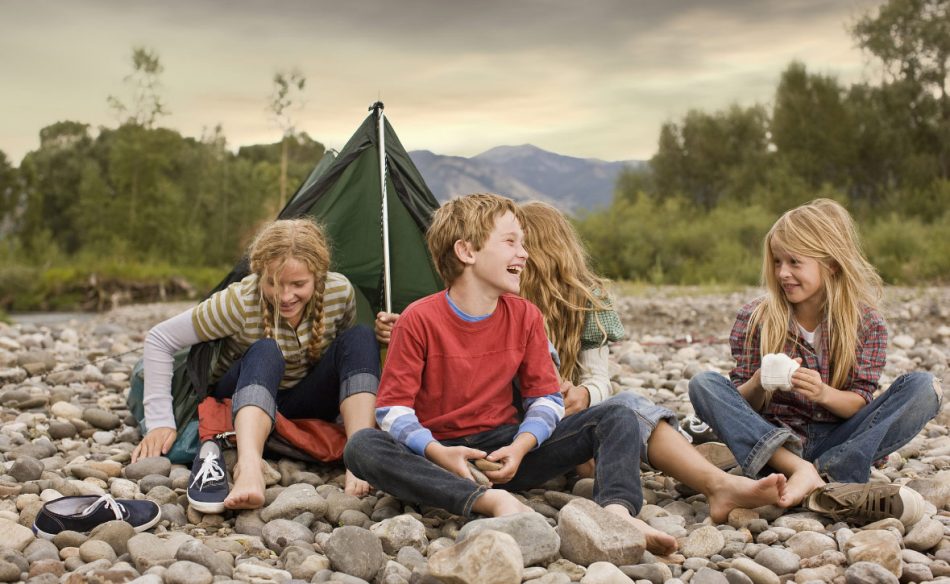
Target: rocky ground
67, 431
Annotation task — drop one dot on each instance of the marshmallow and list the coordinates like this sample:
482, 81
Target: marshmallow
776, 372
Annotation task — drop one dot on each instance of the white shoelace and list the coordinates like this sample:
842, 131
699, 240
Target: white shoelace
109, 502
210, 471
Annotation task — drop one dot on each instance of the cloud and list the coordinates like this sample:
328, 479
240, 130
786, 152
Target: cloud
592, 78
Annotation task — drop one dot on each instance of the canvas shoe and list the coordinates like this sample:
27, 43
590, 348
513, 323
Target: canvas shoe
697, 431
208, 483
863, 503
776, 372
84, 513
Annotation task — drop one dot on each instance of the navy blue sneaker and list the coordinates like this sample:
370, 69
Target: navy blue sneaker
208, 484
84, 513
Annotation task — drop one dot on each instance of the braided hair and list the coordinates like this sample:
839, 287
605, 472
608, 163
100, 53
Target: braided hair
277, 242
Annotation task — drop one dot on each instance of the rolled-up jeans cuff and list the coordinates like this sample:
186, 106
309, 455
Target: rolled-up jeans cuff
358, 383
254, 395
470, 500
763, 450
648, 414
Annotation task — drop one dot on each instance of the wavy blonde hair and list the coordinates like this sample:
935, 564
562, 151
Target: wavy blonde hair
559, 281
277, 242
822, 230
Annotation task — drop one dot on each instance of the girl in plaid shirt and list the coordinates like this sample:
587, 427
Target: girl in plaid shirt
820, 310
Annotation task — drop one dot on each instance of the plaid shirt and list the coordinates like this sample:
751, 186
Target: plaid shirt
610, 328
788, 408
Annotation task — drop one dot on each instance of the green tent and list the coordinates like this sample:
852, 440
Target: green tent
346, 195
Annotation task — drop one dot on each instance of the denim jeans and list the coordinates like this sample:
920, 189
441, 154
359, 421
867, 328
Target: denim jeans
648, 416
607, 433
350, 365
841, 451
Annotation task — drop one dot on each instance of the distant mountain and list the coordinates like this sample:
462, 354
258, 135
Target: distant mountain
522, 173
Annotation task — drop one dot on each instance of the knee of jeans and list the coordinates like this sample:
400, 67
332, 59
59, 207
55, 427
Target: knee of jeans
265, 348
357, 443
701, 385
617, 411
921, 384
360, 334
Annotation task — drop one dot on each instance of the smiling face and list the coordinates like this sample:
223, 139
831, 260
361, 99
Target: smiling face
500, 261
294, 289
800, 278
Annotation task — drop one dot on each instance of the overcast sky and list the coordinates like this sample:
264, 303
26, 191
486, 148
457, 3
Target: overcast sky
587, 78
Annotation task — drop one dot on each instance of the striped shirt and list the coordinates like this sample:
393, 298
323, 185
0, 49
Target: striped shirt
235, 314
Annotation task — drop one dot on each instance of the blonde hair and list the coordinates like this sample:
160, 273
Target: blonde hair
277, 242
470, 218
822, 230
559, 281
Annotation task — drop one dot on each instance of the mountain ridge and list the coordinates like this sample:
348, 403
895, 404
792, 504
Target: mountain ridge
524, 172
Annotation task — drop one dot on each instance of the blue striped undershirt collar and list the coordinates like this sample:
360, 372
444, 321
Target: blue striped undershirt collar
464, 316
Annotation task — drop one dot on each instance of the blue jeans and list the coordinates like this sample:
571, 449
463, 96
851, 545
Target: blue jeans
350, 365
607, 433
842, 451
648, 416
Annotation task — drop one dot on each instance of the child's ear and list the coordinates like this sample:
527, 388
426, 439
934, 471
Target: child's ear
834, 267
464, 252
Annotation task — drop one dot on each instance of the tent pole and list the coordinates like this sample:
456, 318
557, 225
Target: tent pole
387, 282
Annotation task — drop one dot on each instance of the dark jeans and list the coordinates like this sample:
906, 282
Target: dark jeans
608, 433
350, 365
842, 451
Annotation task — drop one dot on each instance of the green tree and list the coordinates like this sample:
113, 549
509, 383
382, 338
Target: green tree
912, 40
144, 105
709, 158
812, 128
286, 97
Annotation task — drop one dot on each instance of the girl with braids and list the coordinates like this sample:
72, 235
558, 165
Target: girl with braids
290, 346
579, 320
809, 356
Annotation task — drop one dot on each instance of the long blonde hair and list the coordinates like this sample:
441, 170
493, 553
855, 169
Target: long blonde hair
823, 230
276, 243
559, 281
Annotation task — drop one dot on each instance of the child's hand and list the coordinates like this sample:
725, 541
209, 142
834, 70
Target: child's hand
808, 384
384, 326
454, 458
576, 398
510, 458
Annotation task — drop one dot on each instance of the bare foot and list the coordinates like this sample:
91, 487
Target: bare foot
498, 503
355, 486
586, 470
248, 489
657, 542
742, 492
800, 483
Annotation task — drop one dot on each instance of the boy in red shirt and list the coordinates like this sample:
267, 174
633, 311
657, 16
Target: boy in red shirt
445, 396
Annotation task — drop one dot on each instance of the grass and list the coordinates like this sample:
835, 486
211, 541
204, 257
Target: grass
638, 288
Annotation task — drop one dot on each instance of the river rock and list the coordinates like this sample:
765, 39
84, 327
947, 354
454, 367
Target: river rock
294, 500
869, 573
146, 466
605, 573
355, 551
184, 572
464, 563
877, 546
758, 573
591, 534
806, 544
14, 536
703, 542
26, 468
924, 535
538, 541
401, 531
779, 560
280, 533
